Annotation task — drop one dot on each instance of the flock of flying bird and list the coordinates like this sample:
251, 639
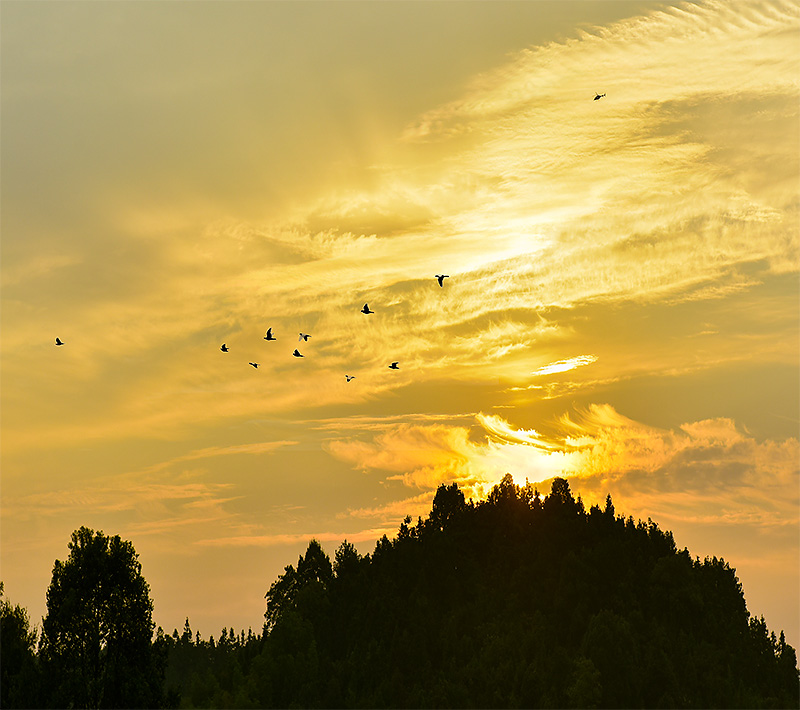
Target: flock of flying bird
366, 310
305, 336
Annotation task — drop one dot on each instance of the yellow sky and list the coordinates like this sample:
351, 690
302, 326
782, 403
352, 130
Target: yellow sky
621, 307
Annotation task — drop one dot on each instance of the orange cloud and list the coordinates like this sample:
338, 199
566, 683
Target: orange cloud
420, 456
423, 457
708, 467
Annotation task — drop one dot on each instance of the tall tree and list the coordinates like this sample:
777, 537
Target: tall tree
346, 560
18, 669
447, 504
313, 571
96, 648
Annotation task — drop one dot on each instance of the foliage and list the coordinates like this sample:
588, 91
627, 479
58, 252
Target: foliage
19, 676
515, 601
511, 602
96, 647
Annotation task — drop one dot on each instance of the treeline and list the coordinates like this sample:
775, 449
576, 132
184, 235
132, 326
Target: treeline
516, 601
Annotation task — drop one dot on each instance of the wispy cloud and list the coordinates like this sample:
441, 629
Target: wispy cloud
122, 496
395, 510
264, 447
564, 365
500, 430
38, 267
422, 456
546, 200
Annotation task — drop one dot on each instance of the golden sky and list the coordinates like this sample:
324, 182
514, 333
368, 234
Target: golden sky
622, 306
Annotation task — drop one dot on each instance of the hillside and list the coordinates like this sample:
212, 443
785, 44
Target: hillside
515, 601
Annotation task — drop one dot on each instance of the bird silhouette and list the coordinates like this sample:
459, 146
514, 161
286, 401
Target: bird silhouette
269, 335
441, 277
366, 309
224, 347
394, 366
350, 377
254, 364
59, 341
304, 337
598, 96
296, 353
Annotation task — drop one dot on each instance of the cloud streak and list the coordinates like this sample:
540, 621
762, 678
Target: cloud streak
564, 365
264, 447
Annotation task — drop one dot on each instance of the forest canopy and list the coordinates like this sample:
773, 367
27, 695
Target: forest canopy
519, 600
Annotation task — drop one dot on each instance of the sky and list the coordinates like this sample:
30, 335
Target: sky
621, 308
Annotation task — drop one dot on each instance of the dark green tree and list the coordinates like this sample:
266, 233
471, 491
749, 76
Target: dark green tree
315, 566
504, 491
346, 560
447, 504
96, 648
515, 601
18, 668
280, 596
560, 495
313, 570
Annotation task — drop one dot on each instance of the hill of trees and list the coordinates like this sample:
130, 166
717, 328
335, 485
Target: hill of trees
516, 601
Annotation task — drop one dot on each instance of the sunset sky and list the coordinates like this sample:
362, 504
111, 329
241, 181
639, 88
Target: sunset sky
622, 306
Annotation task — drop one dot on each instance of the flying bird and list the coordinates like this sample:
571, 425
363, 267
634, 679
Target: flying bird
59, 341
598, 96
366, 309
254, 364
394, 366
304, 337
350, 377
296, 353
269, 335
440, 278
224, 347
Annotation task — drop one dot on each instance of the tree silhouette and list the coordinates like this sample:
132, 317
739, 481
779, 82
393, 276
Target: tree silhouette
447, 504
314, 571
96, 647
19, 678
514, 601
346, 560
